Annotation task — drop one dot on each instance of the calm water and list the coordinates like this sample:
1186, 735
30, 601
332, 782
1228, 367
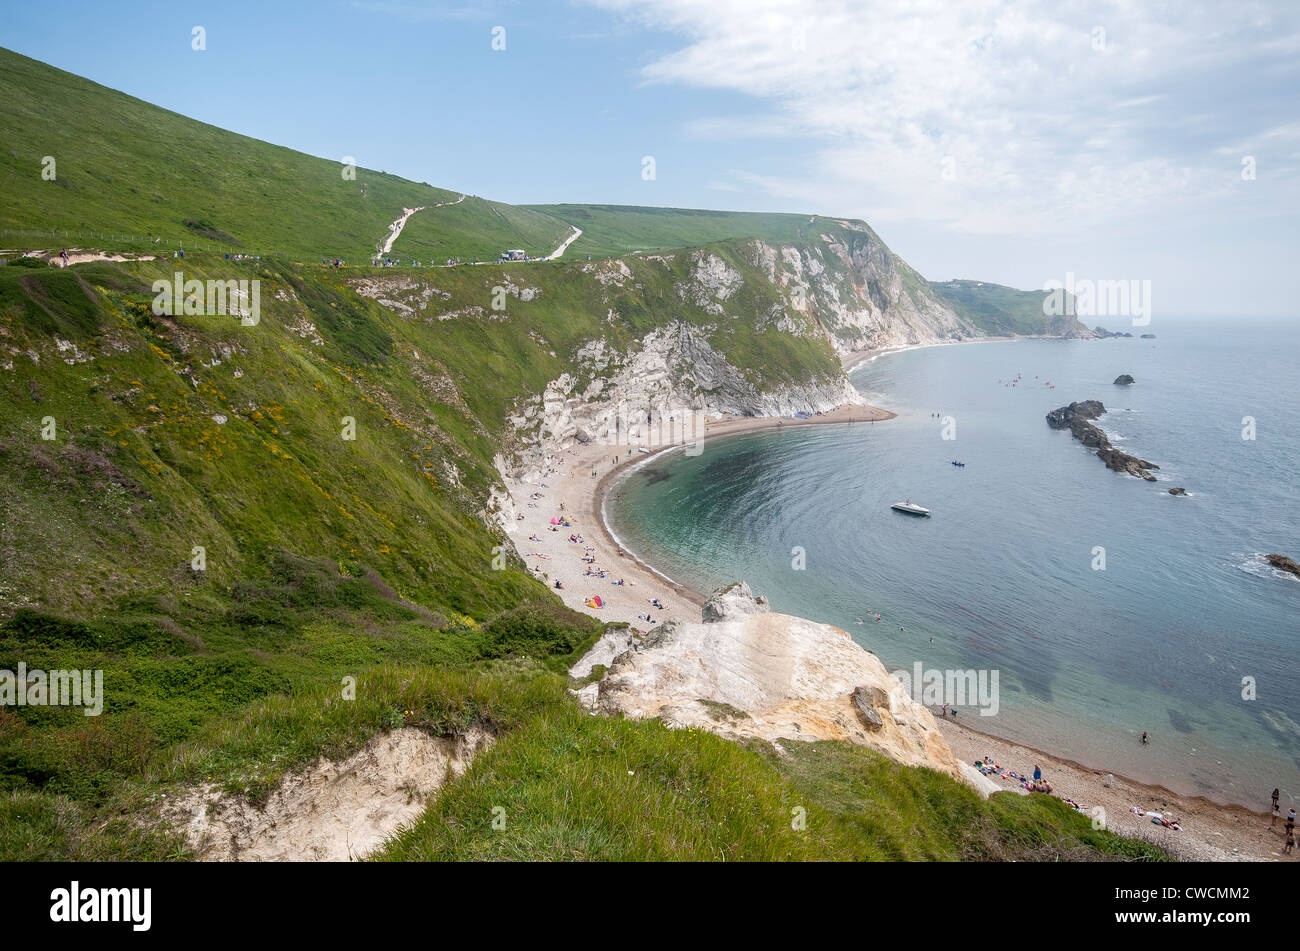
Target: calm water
1001, 577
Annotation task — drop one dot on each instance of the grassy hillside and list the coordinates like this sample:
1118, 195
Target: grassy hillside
478, 229
1003, 310
702, 798
229, 518
611, 230
328, 558
129, 175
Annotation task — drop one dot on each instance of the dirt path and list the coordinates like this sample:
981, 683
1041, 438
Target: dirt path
78, 256
395, 229
577, 233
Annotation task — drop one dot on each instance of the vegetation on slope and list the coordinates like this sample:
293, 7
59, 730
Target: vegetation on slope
124, 167
1002, 310
613, 230
185, 513
477, 229
569, 786
329, 559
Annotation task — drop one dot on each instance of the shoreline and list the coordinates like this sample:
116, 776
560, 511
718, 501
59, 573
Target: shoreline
1212, 829
736, 426
855, 358
583, 554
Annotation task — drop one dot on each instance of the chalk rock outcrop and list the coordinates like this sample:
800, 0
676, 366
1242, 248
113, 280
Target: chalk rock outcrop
744, 671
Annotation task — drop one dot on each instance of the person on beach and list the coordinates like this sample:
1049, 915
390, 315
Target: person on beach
1275, 795
1144, 737
1290, 843
1038, 773
1277, 814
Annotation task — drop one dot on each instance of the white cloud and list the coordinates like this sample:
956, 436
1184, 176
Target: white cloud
1052, 116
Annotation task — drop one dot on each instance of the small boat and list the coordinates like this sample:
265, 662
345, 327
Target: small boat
909, 508
960, 465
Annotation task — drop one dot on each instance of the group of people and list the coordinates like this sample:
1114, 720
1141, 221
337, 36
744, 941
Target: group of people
588, 555
1288, 845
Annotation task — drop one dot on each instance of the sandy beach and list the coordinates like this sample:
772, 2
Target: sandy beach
1210, 832
587, 560
855, 358
584, 557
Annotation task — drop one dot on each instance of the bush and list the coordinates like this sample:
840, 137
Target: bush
539, 630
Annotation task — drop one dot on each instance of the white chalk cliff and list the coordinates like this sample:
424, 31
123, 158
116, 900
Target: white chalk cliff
744, 671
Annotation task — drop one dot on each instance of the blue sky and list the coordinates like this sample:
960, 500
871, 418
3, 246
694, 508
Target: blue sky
1012, 142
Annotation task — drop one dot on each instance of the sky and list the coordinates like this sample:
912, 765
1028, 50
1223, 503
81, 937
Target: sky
1018, 142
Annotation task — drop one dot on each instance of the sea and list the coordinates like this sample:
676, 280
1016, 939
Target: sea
1106, 606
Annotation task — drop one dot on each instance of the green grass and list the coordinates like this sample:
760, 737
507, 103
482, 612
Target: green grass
569, 786
1003, 310
477, 229
613, 230
374, 558
328, 559
132, 175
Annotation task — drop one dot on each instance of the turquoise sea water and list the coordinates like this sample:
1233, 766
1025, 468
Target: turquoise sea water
1002, 576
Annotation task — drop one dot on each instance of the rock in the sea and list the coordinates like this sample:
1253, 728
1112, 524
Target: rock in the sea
1148, 336
780, 678
1123, 380
1123, 462
1077, 419
1283, 563
1064, 417
1179, 490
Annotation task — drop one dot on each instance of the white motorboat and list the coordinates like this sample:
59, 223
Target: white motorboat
910, 508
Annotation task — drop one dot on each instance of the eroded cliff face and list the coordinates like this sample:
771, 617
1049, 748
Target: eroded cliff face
844, 292
743, 671
859, 293
745, 326
661, 388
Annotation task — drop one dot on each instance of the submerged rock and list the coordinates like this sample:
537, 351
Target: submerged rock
1179, 490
